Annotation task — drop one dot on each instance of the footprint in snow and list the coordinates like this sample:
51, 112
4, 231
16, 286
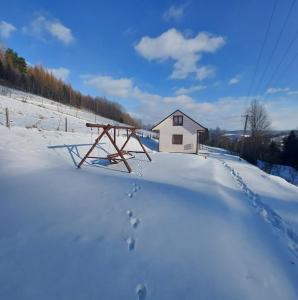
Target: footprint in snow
134, 222
141, 291
130, 243
129, 213
134, 190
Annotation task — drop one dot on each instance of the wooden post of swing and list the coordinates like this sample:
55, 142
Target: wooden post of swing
115, 135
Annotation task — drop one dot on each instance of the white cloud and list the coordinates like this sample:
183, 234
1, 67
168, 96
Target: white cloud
283, 114
277, 90
189, 90
205, 72
224, 112
126, 89
174, 12
60, 31
153, 107
185, 52
292, 93
6, 29
286, 91
234, 80
209, 114
187, 103
115, 87
150, 106
42, 27
60, 73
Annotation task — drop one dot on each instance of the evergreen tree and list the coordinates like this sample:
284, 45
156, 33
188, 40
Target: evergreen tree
22, 66
290, 150
272, 154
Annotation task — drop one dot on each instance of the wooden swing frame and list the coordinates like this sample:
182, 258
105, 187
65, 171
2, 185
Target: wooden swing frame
120, 152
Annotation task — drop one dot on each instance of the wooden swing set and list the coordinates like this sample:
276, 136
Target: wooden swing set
120, 154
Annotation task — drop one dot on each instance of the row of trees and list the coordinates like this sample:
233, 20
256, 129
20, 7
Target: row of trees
258, 145
14, 72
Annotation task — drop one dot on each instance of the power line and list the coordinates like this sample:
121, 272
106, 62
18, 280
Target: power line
262, 49
276, 44
282, 60
290, 63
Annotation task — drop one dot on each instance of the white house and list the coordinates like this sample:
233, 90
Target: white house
179, 133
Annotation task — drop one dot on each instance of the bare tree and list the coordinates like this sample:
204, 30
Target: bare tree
259, 122
258, 119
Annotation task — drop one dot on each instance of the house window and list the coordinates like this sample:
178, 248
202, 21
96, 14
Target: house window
177, 120
177, 139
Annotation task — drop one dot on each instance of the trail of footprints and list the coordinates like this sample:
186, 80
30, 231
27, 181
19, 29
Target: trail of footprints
265, 211
134, 222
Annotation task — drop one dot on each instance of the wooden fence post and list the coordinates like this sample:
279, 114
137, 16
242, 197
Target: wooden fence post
7, 118
65, 124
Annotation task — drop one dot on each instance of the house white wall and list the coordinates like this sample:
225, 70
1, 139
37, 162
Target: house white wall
189, 130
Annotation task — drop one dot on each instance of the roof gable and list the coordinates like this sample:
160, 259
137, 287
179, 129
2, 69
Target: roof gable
178, 110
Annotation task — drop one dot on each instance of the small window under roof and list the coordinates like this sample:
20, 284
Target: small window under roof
177, 120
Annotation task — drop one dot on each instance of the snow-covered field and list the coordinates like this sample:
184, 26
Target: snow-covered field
179, 227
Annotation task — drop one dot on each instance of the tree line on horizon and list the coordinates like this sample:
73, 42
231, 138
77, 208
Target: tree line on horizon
16, 73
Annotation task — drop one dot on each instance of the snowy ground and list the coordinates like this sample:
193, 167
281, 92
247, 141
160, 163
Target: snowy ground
31, 111
179, 227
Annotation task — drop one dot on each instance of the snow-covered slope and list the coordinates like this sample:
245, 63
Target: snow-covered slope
31, 111
179, 227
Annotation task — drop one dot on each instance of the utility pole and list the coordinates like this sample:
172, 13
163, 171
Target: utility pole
244, 132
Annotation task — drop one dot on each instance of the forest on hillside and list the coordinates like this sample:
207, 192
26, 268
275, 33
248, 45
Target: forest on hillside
16, 73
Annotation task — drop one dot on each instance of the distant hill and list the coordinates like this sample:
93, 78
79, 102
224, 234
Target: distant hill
272, 132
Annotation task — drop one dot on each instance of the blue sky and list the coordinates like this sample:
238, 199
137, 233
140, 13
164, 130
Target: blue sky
156, 56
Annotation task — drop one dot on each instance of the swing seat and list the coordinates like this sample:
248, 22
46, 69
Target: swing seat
114, 158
